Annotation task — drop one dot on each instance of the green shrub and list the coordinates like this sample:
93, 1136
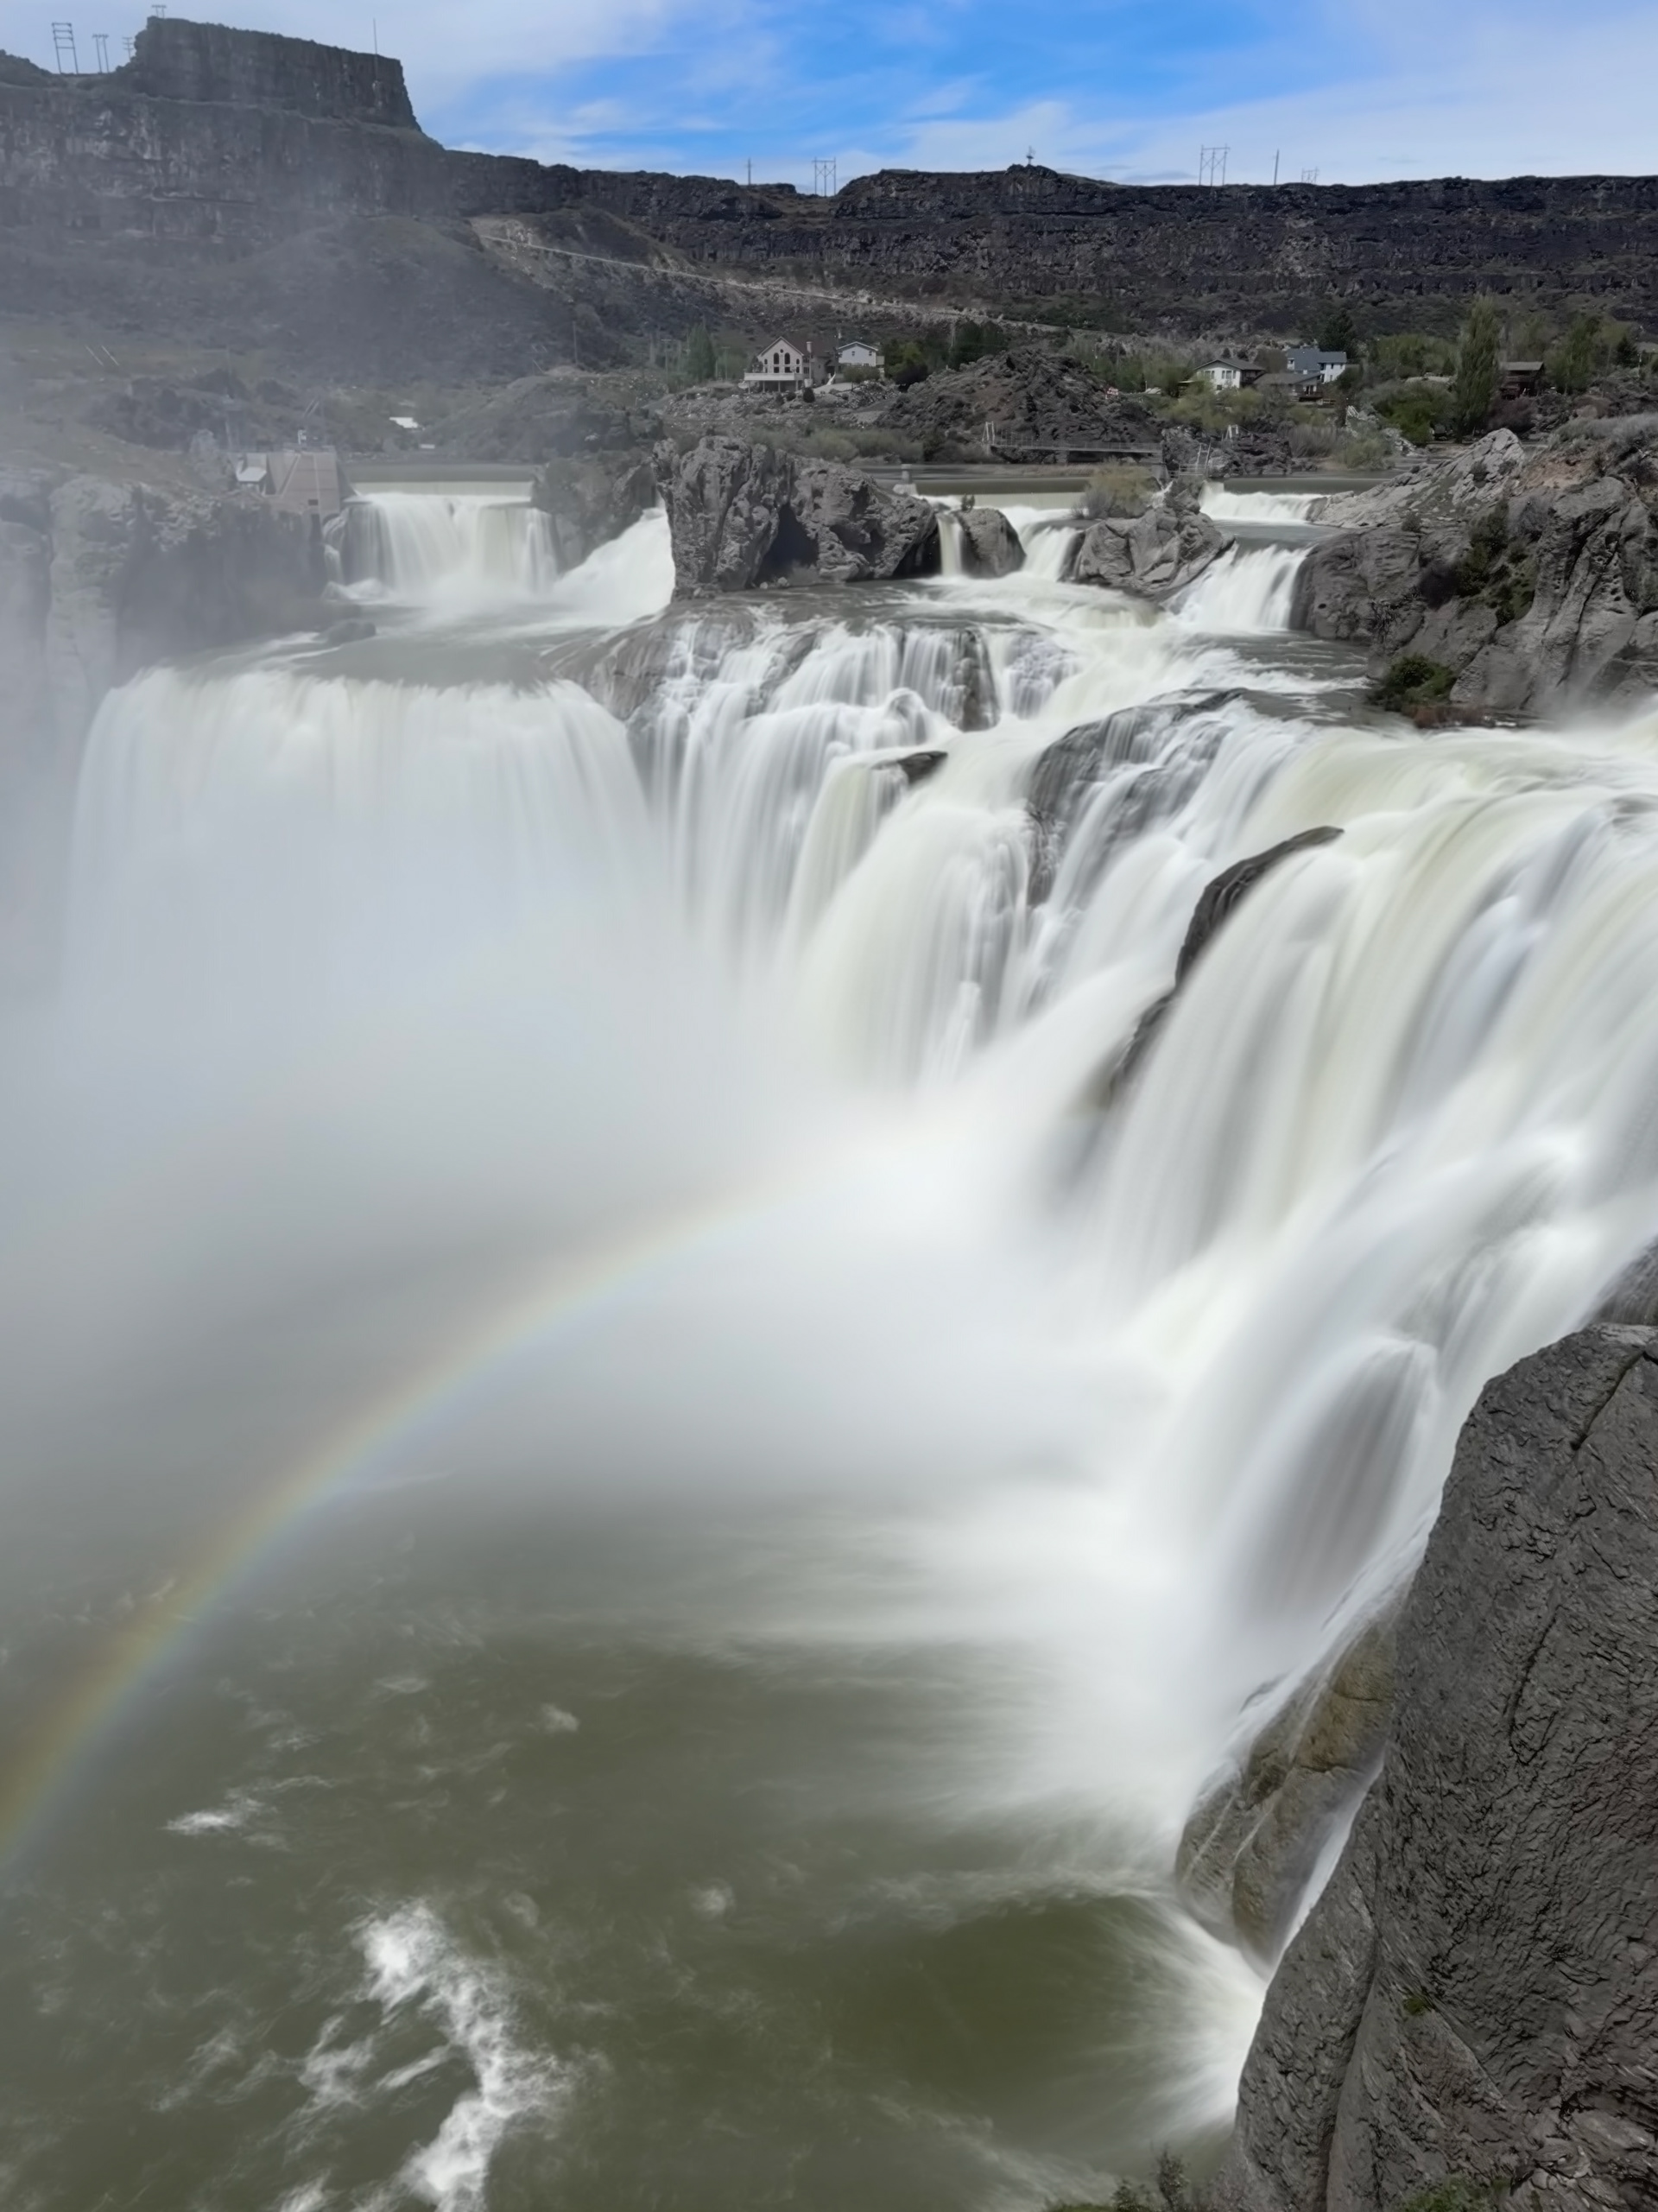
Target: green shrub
1410, 353
1412, 682
1457, 2193
1416, 410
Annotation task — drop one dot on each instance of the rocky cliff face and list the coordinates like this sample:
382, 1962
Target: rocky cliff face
1476, 1992
230, 136
1531, 575
174, 59
741, 516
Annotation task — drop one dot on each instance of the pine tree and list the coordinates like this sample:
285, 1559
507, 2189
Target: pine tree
1473, 394
1338, 332
699, 355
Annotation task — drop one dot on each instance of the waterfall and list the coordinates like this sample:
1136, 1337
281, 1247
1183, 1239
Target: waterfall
846, 910
1228, 503
427, 545
1250, 589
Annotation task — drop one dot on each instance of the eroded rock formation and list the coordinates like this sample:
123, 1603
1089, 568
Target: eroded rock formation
1476, 1992
1530, 575
1151, 555
742, 516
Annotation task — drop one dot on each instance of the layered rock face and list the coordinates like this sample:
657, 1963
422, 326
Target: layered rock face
742, 516
224, 135
99, 579
1531, 575
174, 59
1153, 554
1476, 1992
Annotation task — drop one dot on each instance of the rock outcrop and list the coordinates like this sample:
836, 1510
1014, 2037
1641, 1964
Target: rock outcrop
1531, 577
1254, 1842
99, 579
1028, 403
989, 544
743, 515
1476, 1992
588, 500
1151, 555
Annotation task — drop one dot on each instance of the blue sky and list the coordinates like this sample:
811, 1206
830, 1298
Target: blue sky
1123, 88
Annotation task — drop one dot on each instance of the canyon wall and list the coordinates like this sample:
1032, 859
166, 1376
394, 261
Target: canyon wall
234, 138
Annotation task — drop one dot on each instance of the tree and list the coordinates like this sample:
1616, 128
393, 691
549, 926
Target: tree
699, 355
966, 344
1473, 392
1338, 332
907, 364
1572, 364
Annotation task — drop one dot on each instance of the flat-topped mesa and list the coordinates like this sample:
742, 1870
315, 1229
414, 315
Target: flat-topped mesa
174, 59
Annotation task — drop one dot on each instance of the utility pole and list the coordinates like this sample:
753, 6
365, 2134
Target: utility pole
101, 45
1309, 176
750, 172
63, 42
1275, 168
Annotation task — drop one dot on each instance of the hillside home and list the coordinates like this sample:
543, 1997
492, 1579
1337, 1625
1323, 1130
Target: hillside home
1310, 361
1226, 375
858, 353
782, 366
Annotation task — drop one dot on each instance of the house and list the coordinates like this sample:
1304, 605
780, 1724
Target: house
306, 482
1224, 374
1521, 379
1285, 384
858, 354
1315, 361
781, 366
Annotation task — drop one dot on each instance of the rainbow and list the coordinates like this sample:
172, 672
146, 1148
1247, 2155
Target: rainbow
91, 1712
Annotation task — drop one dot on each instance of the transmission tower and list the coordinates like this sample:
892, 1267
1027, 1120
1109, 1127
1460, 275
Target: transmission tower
63, 39
101, 43
823, 178
1309, 176
1211, 164
131, 46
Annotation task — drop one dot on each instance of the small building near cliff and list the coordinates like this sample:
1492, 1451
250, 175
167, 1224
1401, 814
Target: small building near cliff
859, 355
1315, 361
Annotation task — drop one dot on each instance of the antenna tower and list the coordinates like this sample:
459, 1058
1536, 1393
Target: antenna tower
63, 40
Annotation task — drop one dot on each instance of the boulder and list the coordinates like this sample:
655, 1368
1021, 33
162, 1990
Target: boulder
1255, 1839
1475, 1995
989, 544
742, 516
1151, 555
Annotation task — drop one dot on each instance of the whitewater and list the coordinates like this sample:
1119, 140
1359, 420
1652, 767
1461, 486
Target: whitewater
959, 1451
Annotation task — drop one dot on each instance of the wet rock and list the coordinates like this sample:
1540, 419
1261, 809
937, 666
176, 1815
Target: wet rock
916, 767
1255, 1839
355, 630
1151, 555
1219, 896
138, 575
990, 543
742, 516
1476, 1992
590, 499
1227, 891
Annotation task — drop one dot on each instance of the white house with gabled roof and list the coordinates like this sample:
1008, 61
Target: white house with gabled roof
783, 365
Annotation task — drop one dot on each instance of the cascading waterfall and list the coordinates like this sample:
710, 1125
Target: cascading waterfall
426, 545
922, 868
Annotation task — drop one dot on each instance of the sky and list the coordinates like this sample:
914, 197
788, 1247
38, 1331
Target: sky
1352, 90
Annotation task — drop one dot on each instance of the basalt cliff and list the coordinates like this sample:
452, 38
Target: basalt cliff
238, 183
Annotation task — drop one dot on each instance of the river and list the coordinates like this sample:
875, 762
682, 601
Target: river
634, 1517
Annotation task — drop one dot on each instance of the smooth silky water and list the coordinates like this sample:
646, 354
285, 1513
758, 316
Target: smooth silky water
633, 1522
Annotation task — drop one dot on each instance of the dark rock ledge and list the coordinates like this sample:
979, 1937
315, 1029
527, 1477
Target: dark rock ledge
1476, 1992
